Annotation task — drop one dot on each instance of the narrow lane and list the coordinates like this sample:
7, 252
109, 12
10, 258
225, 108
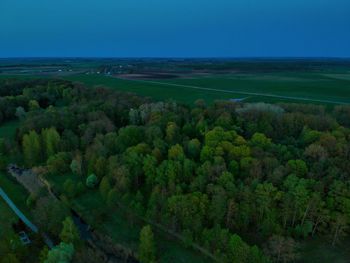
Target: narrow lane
18, 212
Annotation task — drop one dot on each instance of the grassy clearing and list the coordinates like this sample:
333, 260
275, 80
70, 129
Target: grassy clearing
321, 251
16, 192
7, 217
8, 129
310, 86
19, 196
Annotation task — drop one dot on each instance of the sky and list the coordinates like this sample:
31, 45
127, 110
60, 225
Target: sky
174, 28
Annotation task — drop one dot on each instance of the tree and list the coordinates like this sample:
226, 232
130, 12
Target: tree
339, 226
75, 166
88, 255
282, 249
257, 256
188, 211
172, 133
43, 254
112, 198
193, 148
260, 140
218, 205
134, 116
59, 163
105, 187
298, 167
265, 195
20, 113
100, 167
51, 140
147, 249
149, 169
10, 258
91, 181
176, 153
238, 251
69, 233
129, 136
49, 214
33, 105
31, 148
3, 162
70, 188
63, 253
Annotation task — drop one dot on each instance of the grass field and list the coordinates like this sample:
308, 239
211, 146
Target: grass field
321, 251
7, 217
148, 89
322, 87
8, 129
293, 87
15, 191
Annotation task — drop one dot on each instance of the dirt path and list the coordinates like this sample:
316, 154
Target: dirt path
269, 95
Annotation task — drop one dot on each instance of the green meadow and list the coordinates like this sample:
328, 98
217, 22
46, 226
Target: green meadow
19, 196
7, 217
320, 88
8, 129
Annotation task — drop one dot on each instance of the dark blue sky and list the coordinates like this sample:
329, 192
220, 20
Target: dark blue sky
175, 28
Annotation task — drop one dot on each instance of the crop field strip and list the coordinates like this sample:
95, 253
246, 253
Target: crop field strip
246, 93
304, 88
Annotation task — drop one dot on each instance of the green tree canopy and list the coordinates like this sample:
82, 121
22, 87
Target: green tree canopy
147, 249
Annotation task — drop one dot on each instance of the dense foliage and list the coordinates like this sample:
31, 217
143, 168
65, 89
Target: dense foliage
224, 177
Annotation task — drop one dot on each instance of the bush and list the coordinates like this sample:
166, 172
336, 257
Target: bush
91, 181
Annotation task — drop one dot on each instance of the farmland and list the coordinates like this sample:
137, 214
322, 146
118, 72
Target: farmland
320, 81
273, 87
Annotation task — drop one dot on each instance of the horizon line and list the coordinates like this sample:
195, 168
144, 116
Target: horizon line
178, 57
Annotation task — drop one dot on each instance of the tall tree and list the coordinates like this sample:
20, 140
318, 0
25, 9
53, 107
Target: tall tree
147, 248
63, 253
105, 187
31, 148
69, 233
282, 249
51, 140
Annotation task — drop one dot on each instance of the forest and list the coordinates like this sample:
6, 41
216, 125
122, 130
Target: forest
232, 181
